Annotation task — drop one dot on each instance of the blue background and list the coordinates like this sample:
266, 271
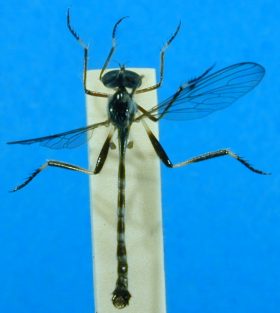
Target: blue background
222, 222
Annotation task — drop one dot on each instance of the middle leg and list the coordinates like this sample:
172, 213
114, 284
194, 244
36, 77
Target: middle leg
162, 57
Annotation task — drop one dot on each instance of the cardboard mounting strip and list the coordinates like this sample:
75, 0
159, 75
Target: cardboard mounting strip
144, 237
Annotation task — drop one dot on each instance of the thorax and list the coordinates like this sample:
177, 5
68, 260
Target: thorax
121, 108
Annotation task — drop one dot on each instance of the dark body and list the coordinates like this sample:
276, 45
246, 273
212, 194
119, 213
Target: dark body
196, 98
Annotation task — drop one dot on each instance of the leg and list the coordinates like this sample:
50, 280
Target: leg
149, 114
103, 153
109, 57
162, 55
167, 104
145, 113
53, 163
98, 167
85, 47
206, 156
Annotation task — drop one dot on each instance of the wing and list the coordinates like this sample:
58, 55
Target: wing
70, 139
210, 92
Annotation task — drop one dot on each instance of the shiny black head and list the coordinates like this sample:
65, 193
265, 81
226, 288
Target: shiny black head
122, 78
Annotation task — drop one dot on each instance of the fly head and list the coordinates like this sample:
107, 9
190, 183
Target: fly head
122, 78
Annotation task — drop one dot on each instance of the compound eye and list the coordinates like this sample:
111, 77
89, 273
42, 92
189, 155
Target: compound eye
111, 79
131, 80
121, 78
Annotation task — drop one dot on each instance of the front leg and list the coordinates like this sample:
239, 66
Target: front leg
85, 47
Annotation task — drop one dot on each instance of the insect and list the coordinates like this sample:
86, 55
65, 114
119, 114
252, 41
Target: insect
198, 97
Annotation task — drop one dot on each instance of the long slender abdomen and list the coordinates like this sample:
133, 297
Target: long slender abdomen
121, 294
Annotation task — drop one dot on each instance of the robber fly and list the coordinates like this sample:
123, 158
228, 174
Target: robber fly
196, 98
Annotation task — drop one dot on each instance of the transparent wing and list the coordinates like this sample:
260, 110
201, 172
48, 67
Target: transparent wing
210, 92
70, 139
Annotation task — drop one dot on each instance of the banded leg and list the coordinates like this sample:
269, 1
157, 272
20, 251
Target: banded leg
113, 48
190, 84
145, 113
149, 115
206, 156
52, 163
99, 164
85, 47
121, 295
168, 105
104, 152
162, 57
